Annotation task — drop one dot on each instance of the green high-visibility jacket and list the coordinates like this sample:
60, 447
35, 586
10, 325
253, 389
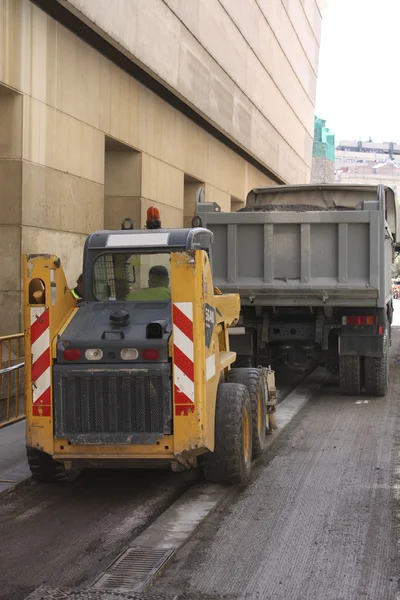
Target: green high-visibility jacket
75, 295
148, 294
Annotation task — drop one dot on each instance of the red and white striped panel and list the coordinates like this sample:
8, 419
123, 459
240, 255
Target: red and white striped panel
182, 320
41, 362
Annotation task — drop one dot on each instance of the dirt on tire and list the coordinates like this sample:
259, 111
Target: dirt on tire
254, 380
227, 463
350, 375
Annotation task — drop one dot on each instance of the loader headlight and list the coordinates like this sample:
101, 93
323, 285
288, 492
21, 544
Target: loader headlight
93, 354
129, 354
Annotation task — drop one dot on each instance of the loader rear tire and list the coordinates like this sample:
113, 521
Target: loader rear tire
254, 380
350, 375
231, 460
377, 370
45, 468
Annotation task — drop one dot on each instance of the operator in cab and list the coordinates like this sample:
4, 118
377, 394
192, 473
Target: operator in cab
78, 289
158, 286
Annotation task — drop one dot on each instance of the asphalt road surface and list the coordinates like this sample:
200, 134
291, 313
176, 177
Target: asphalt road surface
67, 534
320, 518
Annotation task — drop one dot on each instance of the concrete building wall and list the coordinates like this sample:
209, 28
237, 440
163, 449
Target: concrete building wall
249, 66
83, 144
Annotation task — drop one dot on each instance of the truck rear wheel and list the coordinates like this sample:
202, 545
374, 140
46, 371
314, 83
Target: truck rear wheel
254, 380
350, 375
231, 460
377, 371
45, 468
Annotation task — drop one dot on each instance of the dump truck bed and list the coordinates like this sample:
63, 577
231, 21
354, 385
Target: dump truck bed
306, 245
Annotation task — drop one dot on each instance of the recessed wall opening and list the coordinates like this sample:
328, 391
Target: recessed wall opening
122, 184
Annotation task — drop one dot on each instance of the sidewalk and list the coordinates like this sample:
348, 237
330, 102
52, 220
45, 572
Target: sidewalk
13, 465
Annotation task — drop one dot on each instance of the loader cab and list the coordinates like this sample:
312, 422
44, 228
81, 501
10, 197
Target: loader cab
134, 265
126, 312
117, 346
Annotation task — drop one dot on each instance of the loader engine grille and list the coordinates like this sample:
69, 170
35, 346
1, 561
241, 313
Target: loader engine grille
111, 408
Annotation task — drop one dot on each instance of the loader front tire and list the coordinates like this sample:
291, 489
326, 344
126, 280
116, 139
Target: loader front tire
231, 460
350, 375
254, 380
45, 468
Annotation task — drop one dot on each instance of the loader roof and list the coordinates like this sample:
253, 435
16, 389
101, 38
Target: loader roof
186, 239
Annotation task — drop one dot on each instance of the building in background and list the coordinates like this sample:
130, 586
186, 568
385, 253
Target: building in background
368, 163
108, 107
323, 160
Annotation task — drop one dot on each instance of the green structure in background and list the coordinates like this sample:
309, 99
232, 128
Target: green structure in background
324, 141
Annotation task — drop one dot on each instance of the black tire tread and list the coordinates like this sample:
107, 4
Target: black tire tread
252, 379
376, 370
226, 464
45, 468
350, 375
375, 376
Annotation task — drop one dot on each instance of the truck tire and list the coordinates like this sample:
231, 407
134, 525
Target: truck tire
377, 370
350, 375
254, 380
45, 468
231, 460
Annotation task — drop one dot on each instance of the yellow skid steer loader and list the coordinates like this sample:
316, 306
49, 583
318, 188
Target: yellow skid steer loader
139, 373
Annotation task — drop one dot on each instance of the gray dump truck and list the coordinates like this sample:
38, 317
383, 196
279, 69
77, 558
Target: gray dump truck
312, 265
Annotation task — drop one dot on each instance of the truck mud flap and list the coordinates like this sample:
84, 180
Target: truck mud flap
362, 345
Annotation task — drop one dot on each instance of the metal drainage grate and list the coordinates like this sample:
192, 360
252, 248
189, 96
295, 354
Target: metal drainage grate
133, 570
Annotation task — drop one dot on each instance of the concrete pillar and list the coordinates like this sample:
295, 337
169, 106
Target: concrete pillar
163, 187
51, 192
214, 194
62, 184
10, 209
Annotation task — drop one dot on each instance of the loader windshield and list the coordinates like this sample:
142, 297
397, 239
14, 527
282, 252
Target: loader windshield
132, 277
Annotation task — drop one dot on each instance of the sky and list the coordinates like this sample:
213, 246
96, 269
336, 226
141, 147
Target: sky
358, 91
